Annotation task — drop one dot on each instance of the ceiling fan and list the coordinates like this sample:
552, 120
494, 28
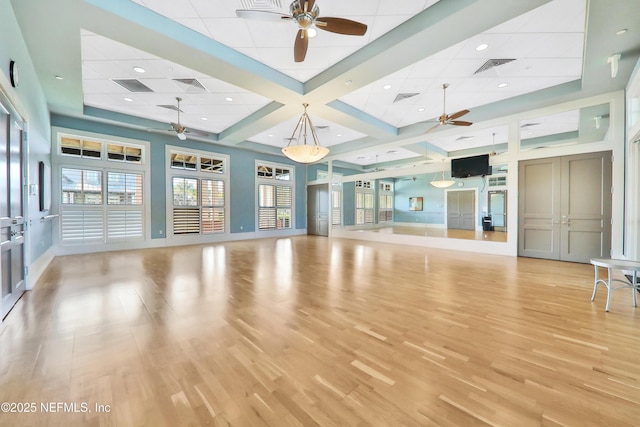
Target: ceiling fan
305, 14
446, 119
181, 130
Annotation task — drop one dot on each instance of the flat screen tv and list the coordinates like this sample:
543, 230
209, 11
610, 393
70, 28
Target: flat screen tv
470, 166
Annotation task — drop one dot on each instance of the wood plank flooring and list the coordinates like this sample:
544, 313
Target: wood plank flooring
311, 331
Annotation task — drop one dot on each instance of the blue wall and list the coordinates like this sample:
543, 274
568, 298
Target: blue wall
433, 198
30, 100
241, 181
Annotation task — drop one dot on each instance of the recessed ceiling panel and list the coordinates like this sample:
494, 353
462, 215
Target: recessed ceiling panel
207, 103
258, 39
534, 51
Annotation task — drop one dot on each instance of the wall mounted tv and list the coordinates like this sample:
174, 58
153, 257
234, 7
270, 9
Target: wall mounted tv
466, 167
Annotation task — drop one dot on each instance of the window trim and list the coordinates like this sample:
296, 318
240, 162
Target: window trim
200, 175
103, 164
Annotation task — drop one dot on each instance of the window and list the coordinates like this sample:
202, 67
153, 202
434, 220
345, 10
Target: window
81, 186
274, 207
364, 203
184, 161
212, 214
495, 181
101, 190
85, 213
124, 188
336, 207
78, 147
363, 184
265, 171
198, 191
275, 200
364, 208
198, 206
211, 165
385, 202
124, 153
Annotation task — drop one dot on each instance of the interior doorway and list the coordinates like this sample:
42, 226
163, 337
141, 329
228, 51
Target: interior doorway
461, 209
498, 209
564, 210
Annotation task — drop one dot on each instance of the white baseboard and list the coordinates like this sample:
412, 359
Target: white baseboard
174, 241
418, 224
38, 267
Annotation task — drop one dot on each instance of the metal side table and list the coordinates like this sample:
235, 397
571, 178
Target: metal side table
616, 264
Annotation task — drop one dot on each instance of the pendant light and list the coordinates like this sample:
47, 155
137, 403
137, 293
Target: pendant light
300, 151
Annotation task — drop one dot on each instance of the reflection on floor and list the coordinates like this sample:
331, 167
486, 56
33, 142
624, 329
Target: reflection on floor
493, 236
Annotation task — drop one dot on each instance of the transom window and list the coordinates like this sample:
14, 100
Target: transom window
364, 184
271, 171
95, 149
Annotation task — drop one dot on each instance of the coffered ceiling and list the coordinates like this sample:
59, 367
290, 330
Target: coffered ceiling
371, 97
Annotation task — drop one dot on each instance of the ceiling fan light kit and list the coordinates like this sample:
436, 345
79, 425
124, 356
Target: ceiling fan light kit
306, 16
302, 152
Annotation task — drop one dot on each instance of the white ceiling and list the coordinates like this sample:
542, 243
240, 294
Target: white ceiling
254, 91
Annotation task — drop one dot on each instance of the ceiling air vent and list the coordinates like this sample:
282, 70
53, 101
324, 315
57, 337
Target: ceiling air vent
133, 85
170, 107
190, 85
323, 129
526, 125
261, 4
402, 96
492, 63
461, 138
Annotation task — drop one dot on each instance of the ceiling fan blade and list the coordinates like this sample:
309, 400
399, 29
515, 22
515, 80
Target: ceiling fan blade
432, 128
341, 26
300, 46
262, 15
196, 132
458, 114
459, 123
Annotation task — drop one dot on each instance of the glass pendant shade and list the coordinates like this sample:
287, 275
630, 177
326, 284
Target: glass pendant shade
298, 150
442, 183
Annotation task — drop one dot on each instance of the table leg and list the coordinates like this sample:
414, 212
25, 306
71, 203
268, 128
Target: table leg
608, 284
633, 288
595, 284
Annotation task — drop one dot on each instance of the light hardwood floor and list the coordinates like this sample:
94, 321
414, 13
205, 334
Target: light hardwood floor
310, 331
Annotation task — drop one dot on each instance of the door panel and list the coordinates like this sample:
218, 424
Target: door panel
586, 211
467, 210
453, 209
539, 209
11, 211
318, 209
